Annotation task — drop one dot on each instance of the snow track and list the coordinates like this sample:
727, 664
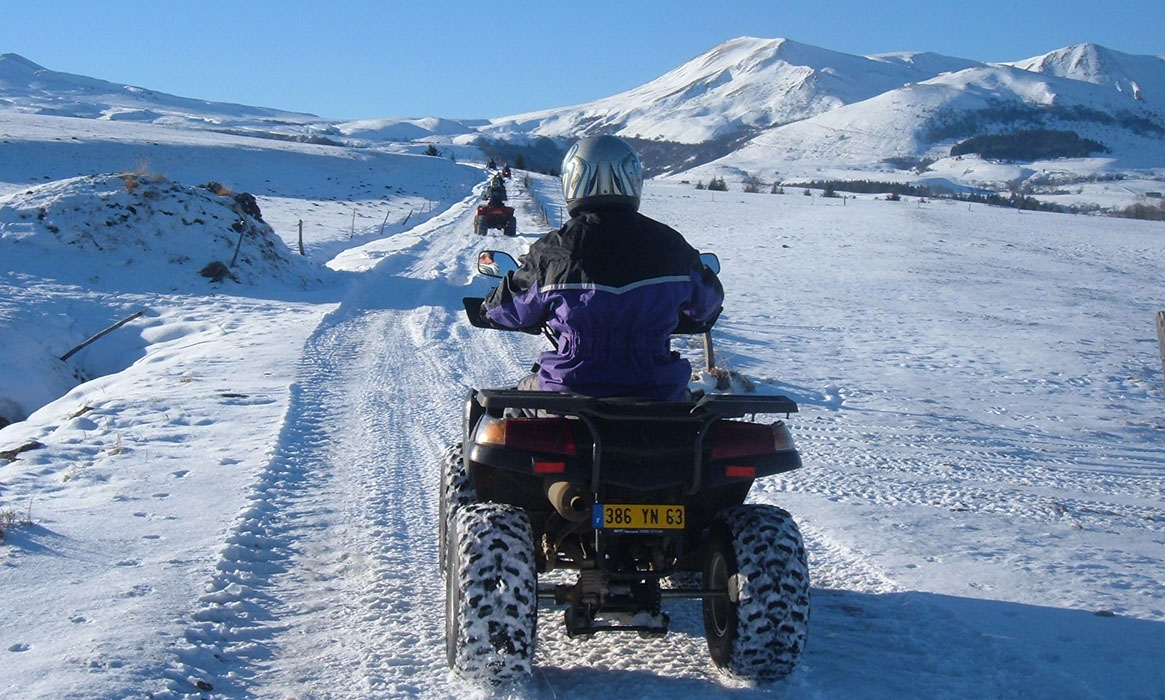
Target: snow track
327, 584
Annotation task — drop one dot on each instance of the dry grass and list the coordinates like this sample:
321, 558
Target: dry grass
141, 175
10, 519
219, 189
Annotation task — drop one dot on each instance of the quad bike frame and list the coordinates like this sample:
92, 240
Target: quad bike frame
682, 460
495, 217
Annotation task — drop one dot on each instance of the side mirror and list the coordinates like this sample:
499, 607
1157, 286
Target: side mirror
495, 263
711, 262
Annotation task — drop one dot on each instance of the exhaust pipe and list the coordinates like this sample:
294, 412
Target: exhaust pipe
568, 499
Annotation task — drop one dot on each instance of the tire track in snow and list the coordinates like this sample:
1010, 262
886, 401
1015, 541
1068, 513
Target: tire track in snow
897, 465
326, 585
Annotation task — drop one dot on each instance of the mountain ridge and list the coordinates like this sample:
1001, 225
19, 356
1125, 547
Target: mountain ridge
747, 103
32, 88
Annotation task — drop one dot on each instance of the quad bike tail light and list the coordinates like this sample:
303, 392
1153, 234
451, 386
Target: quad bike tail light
734, 439
548, 435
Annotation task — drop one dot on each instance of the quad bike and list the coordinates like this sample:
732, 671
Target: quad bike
625, 492
495, 216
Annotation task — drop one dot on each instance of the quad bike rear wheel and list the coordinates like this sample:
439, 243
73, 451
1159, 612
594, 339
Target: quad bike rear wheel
491, 603
479, 225
511, 227
456, 490
758, 630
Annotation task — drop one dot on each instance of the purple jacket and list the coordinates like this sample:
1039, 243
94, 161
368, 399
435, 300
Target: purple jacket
613, 284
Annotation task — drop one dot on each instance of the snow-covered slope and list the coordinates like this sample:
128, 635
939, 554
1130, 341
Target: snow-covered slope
746, 83
406, 129
30, 88
1137, 77
925, 119
757, 105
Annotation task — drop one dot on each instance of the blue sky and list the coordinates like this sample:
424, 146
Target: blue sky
363, 59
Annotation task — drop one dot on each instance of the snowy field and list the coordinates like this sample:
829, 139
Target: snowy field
241, 499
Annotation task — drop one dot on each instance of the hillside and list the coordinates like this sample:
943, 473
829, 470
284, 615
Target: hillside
752, 107
745, 84
32, 89
925, 120
1140, 78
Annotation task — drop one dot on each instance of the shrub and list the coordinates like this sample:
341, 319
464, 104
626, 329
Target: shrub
718, 184
1149, 212
751, 183
432, 151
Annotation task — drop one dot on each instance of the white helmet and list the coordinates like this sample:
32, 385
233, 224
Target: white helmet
601, 171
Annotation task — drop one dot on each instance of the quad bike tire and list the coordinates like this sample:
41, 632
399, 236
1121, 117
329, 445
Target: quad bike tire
456, 490
491, 596
479, 225
511, 228
758, 631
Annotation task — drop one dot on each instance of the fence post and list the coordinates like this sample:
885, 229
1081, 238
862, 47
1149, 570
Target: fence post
301, 237
112, 328
1161, 337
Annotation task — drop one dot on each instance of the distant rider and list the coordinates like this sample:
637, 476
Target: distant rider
495, 192
611, 282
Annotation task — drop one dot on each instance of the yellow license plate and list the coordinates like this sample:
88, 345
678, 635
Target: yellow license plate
623, 516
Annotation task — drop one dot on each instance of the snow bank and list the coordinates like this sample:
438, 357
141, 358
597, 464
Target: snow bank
92, 246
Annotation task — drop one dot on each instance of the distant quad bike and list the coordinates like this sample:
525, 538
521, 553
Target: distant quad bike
625, 492
495, 216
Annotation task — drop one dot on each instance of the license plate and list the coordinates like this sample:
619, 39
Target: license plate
623, 516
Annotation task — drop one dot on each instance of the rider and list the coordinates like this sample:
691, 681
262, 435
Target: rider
495, 192
612, 283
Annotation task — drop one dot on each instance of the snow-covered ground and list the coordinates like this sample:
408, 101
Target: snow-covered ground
241, 501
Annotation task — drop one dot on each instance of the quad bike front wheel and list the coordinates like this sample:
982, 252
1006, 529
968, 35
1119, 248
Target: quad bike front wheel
491, 603
758, 629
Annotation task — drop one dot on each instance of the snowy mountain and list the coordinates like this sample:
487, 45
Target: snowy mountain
776, 106
742, 85
29, 88
923, 121
1137, 77
773, 107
